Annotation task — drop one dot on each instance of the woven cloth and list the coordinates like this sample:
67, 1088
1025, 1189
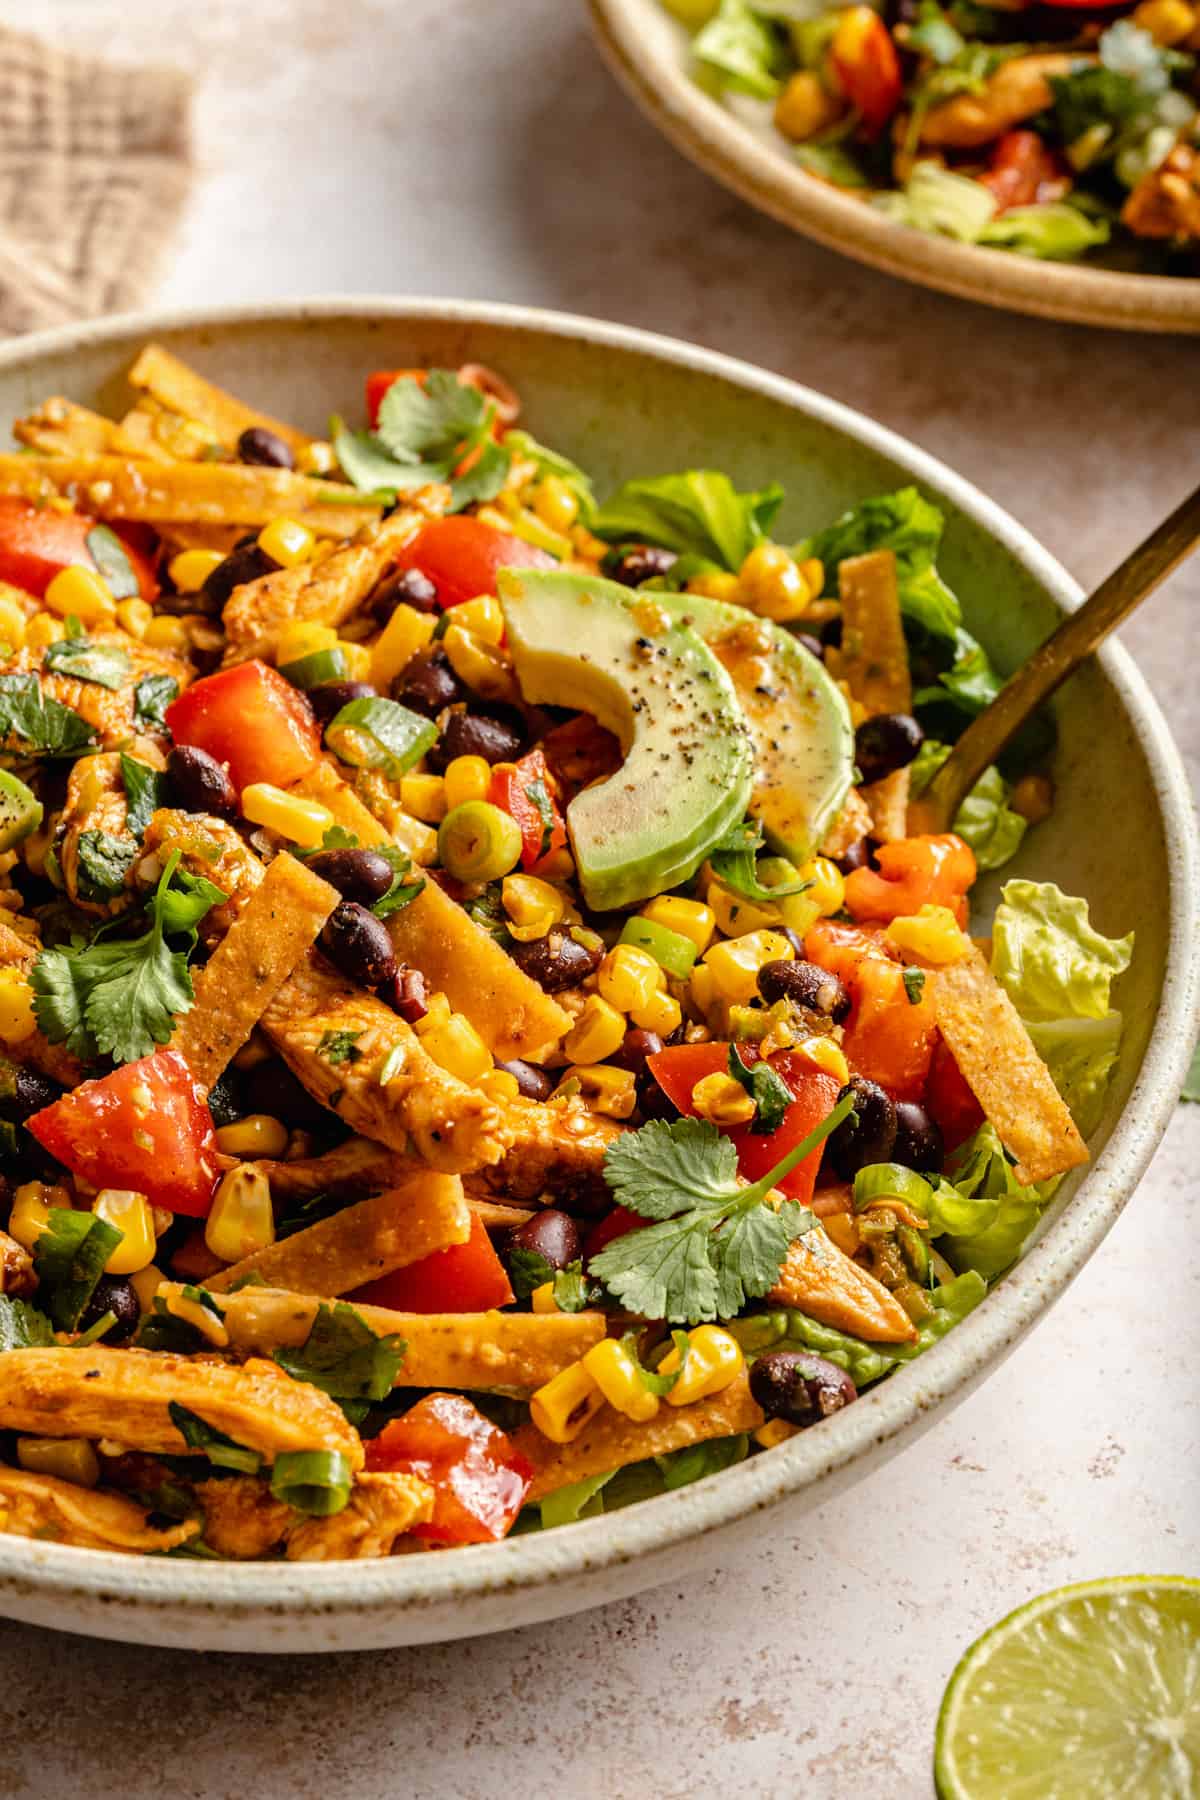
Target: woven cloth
94, 171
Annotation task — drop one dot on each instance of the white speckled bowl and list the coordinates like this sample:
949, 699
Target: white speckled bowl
1123, 834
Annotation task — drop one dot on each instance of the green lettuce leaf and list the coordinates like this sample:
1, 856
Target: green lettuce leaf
698, 513
985, 820
618, 1488
911, 527
739, 50
1050, 958
1056, 231
984, 1211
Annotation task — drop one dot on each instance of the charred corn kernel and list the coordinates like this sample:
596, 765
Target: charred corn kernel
736, 916
135, 617
775, 1431
287, 542
702, 989
555, 504
805, 107
824, 1053
542, 1298
42, 630
437, 1014
406, 632
628, 977
598, 1032
828, 888
17, 1021
690, 918
316, 458
31, 1208
722, 1100
661, 1013
69, 1459
467, 778
241, 1221
1033, 798
206, 1322
258, 1134
357, 659
603, 1089
191, 569
529, 901
713, 1360
302, 821
619, 1379
145, 1284
499, 1085
735, 964
458, 1048
424, 796
303, 637
131, 1214
1169, 22
482, 666
562, 1408
719, 584
13, 624
82, 592
482, 617
933, 934
770, 583
167, 633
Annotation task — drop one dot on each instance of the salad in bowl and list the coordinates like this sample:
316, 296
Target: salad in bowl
485, 1039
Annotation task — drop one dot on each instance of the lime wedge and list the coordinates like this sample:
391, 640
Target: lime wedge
1088, 1691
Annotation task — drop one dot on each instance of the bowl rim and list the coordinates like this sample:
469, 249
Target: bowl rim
895, 1408
710, 135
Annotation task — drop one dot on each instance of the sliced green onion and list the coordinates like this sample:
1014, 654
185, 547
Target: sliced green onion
478, 842
670, 949
312, 1481
891, 1181
320, 665
95, 1332
380, 734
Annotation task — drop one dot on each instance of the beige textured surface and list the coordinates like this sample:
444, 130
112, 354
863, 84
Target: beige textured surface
438, 146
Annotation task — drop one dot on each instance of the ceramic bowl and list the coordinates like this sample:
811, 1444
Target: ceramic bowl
649, 52
623, 403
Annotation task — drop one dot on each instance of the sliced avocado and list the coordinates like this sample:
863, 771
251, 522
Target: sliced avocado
20, 810
581, 642
798, 718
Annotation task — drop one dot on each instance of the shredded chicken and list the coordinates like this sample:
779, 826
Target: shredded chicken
1166, 201
1019, 88
242, 1519
213, 849
42, 1506
109, 711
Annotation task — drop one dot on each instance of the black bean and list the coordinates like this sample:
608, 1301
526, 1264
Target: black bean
402, 587
858, 856
636, 1046
247, 563
328, 699
868, 1135
24, 1091
551, 1234
886, 743
830, 633
361, 875
407, 993
813, 645
112, 1293
225, 1101
199, 783
271, 1088
533, 1082
919, 1142
797, 1386
358, 943
641, 562
258, 445
428, 683
475, 734
806, 985
557, 961
653, 1102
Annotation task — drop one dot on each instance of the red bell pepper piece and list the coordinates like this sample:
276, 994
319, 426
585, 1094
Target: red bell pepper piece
955, 1110
252, 720
1025, 172
463, 1278
867, 67
38, 542
479, 1480
461, 555
913, 872
525, 791
146, 1126
888, 1037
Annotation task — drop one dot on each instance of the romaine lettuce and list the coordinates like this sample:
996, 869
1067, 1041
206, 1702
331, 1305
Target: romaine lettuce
984, 820
737, 49
1054, 230
981, 1213
1050, 958
697, 513
617, 1488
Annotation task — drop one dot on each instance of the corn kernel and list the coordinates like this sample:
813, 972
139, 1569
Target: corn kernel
826, 1055
135, 616
256, 1135
458, 1048
735, 916
17, 1021
165, 632
406, 632
735, 964
542, 1298
191, 569
598, 1032
629, 976
82, 592
194, 1313
32, 1204
813, 571
419, 840
603, 1089
301, 821
145, 1284
316, 458
467, 778
13, 623
303, 637
714, 1360
770, 583
532, 903
562, 1407
357, 659
661, 1013
482, 666
130, 1213
241, 1221
933, 934
718, 585
437, 1014
775, 1431
617, 1376
42, 631
1169, 22
690, 918
287, 542
702, 989
499, 1084
828, 888
424, 796
482, 617
805, 107
67, 1459
722, 1100
555, 504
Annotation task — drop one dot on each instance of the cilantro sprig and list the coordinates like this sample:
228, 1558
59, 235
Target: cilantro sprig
734, 862
713, 1245
427, 431
346, 1359
770, 1093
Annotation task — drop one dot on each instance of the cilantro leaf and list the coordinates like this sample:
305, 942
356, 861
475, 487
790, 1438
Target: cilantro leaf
69, 1259
39, 723
112, 559
103, 863
151, 698
222, 1451
750, 1251
185, 900
427, 431
527, 1269
340, 1047
145, 792
346, 1359
423, 422
663, 1167
735, 864
105, 665
23, 1327
573, 1292
405, 884
159, 1329
484, 479
914, 985
770, 1093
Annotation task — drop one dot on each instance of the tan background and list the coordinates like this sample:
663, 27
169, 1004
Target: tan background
460, 147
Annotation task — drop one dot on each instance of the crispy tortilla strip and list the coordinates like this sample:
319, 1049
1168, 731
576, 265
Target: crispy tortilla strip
325, 784
60, 428
206, 493
822, 1281
610, 1441
180, 389
177, 535
991, 1046
137, 435
492, 1214
242, 1519
452, 1350
124, 1395
41, 1506
851, 824
365, 1241
873, 662
109, 711
281, 920
54, 1060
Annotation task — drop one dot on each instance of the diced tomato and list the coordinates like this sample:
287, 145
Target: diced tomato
525, 791
1025, 172
39, 542
461, 555
678, 1069
613, 1225
478, 1479
146, 1126
888, 1037
867, 67
956, 1112
464, 1278
251, 719
913, 872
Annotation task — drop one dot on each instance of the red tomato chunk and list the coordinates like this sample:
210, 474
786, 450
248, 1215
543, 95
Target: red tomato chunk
464, 1278
461, 556
253, 721
479, 1480
39, 542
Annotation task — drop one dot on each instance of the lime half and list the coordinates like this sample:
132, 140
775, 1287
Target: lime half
1089, 1691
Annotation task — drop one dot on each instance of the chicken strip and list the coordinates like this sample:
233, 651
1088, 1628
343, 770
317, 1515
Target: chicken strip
111, 712
211, 848
1019, 88
42, 1506
1166, 201
242, 1519
96, 802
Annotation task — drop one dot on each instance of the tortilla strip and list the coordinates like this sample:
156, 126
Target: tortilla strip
492, 1213
323, 783
362, 1242
873, 662
181, 390
610, 1440
42, 1506
243, 1519
819, 1279
209, 493
281, 920
124, 1395
991, 1046
60, 428
451, 1350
